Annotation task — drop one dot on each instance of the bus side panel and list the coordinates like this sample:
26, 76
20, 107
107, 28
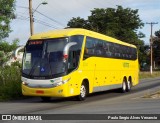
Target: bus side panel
109, 73
88, 71
76, 80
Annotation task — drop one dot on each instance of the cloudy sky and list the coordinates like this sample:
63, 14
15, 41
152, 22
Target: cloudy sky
57, 13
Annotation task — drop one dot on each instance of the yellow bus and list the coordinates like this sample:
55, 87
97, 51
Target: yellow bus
77, 62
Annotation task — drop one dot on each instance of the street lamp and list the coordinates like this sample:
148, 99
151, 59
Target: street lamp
43, 3
31, 14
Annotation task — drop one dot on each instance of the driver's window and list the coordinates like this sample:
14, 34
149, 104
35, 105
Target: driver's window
74, 52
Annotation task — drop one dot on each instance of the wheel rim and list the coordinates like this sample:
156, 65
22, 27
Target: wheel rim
129, 85
83, 91
124, 86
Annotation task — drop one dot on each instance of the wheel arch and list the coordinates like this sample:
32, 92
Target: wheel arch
125, 78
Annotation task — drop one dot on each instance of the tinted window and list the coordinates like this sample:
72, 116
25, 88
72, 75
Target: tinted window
44, 58
101, 48
74, 52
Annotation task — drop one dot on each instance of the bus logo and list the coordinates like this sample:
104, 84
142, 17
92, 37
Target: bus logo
42, 69
126, 65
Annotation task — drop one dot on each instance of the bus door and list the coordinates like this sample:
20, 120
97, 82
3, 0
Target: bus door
89, 58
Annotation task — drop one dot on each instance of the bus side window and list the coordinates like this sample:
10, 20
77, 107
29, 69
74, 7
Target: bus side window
74, 52
123, 52
89, 48
111, 47
72, 60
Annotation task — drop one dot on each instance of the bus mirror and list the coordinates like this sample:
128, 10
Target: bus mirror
16, 51
66, 48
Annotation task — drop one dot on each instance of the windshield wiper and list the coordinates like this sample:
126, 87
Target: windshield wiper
49, 64
33, 68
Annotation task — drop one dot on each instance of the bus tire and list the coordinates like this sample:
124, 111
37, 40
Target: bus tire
45, 99
124, 86
129, 86
83, 92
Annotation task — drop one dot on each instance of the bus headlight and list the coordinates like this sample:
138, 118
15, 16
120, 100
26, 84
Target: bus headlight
24, 83
61, 82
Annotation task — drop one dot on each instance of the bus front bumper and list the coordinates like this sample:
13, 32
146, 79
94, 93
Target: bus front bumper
59, 91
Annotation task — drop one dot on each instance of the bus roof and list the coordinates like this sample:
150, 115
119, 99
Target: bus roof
76, 31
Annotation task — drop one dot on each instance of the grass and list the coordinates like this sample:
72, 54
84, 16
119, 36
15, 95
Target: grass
155, 95
10, 83
144, 75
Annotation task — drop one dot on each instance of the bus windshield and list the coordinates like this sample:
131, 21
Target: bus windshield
44, 58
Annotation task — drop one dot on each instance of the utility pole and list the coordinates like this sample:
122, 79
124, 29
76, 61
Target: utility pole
31, 17
31, 12
151, 43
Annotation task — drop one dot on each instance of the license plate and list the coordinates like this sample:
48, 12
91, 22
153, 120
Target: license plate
39, 91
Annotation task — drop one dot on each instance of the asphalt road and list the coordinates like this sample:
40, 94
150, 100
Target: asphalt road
108, 102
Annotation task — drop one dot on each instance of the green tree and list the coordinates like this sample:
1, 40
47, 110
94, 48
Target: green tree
157, 33
121, 23
6, 50
6, 15
156, 48
77, 23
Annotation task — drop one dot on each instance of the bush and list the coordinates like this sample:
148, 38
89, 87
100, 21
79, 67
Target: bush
10, 82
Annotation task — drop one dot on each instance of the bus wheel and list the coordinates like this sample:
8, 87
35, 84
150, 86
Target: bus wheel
46, 99
129, 85
83, 92
124, 86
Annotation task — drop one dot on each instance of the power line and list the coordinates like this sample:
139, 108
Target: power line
50, 18
58, 11
20, 18
22, 7
24, 18
44, 16
37, 21
44, 23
